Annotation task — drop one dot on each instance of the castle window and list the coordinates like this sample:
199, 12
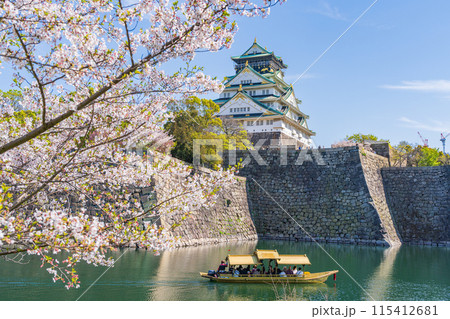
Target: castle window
246, 81
249, 123
269, 122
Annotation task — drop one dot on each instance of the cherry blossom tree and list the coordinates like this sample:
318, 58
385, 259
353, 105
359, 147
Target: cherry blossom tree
91, 80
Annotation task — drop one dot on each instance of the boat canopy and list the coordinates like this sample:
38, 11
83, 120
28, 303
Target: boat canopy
267, 254
293, 260
243, 260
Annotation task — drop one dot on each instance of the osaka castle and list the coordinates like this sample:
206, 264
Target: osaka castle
258, 98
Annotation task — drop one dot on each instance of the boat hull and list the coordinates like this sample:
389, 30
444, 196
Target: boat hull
313, 278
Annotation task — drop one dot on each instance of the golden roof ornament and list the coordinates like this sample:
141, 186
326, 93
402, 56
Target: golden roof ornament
246, 63
255, 40
240, 88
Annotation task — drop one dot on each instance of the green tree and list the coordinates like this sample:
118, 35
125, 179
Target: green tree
403, 154
361, 138
444, 159
429, 157
195, 118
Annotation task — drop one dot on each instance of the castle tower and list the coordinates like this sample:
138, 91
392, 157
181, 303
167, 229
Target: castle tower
265, 105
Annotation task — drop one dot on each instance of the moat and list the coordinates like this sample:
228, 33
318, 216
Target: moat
405, 273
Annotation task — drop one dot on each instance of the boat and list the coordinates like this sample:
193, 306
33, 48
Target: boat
258, 258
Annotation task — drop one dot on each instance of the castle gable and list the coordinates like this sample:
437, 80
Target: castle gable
248, 76
241, 104
255, 49
290, 98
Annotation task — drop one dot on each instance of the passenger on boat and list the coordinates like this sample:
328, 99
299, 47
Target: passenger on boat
223, 265
289, 271
283, 273
277, 270
299, 272
236, 273
294, 271
247, 270
255, 270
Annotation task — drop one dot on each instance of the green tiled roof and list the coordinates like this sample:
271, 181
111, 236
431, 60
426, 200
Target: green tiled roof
254, 71
264, 53
256, 102
236, 57
260, 47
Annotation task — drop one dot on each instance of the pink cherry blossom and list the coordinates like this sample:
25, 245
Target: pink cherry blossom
92, 82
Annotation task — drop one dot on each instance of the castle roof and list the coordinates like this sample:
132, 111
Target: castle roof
258, 90
247, 96
256, 51
248, 67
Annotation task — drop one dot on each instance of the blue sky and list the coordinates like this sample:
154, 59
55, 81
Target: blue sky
389, 75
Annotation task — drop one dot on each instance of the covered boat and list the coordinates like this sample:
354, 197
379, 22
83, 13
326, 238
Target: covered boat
271, 256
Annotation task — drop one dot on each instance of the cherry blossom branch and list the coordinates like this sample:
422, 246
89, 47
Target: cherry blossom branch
81, 106
33, 72
128, 42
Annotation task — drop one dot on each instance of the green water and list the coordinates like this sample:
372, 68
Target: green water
407, 273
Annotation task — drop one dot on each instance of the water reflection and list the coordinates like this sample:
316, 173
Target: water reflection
178, 264
304, 292
381, 280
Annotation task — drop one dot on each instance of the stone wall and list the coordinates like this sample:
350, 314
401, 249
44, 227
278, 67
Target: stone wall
372, 165
228, 220
381, 148
342, 195
319, 194
419, 201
